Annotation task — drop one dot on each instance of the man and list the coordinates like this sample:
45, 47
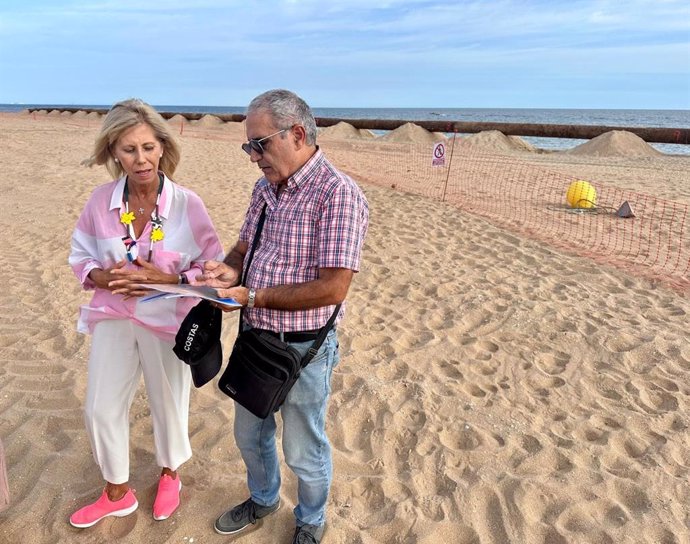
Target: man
309, 249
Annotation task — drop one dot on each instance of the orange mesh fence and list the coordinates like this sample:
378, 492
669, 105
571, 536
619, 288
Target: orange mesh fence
513, 193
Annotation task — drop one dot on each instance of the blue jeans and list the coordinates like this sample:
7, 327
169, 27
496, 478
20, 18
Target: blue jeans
305, 444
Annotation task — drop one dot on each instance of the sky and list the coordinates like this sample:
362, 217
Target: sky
349, 53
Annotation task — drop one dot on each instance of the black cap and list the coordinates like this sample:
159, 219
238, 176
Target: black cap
197, 343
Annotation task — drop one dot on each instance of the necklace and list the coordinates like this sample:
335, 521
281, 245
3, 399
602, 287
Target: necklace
156, 223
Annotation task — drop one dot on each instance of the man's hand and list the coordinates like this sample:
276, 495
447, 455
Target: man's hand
217, 274
240, 294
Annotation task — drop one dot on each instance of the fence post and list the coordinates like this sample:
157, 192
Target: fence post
450, 163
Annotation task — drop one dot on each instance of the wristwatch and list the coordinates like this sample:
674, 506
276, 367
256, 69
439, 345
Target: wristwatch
251, 297
182, 279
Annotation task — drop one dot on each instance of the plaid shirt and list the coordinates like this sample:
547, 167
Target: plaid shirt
319, 221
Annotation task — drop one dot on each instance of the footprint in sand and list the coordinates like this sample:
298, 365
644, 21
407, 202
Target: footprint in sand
650, 399
392, 371
414, 339
488, 515
623, 342
464, 438
619, 466
552, 363
592, 435
451, 369
631, 496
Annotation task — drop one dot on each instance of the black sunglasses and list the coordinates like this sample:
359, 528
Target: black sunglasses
255, 143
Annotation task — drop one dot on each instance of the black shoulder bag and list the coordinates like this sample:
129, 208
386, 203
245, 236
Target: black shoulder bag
262, 368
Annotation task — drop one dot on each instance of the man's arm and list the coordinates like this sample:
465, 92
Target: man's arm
330, 288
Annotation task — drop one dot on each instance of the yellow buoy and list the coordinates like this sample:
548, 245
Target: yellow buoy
581, 194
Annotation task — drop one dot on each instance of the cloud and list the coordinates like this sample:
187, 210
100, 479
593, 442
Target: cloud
234, 44
352, 24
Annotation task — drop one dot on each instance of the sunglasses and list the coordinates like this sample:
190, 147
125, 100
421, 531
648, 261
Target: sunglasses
255, 143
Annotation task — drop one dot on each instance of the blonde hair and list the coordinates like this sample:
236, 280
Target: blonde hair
123, 116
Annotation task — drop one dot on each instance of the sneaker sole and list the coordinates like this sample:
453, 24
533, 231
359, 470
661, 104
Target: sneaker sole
255, 526
161, 518
117, 514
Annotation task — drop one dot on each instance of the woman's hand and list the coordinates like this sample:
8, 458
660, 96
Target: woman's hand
217, 274
102, 277
128, 282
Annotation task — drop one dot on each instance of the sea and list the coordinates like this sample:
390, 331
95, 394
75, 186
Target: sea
605, 117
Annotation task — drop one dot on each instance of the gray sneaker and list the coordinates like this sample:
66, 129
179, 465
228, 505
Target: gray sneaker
237, 518
308, 534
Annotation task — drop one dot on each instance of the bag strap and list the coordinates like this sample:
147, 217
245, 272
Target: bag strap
320, 338
255, 242
313, 350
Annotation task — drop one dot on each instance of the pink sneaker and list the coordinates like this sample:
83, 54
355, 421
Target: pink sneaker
167, 497
93, 513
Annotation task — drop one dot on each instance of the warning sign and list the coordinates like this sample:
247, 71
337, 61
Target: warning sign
439, 155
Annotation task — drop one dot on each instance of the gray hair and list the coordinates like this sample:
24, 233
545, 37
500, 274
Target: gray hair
123, 116
286, 109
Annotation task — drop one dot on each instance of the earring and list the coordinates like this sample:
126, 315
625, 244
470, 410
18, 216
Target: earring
116, 159
161, 155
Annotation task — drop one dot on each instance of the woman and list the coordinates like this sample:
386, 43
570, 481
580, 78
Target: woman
141, 228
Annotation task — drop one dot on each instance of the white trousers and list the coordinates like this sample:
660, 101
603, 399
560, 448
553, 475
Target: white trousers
120, 352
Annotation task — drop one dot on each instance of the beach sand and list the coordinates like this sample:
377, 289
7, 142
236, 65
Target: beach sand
491, 389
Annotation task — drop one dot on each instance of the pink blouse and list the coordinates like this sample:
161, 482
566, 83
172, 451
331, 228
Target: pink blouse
97, 242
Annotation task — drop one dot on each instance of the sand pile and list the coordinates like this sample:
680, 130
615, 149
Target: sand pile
81, 114
493, 140
178, 119
93, 115
411, 133
345, 131
522, 145
209, 121
616, 143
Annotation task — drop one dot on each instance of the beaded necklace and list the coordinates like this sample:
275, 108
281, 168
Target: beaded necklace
156, 224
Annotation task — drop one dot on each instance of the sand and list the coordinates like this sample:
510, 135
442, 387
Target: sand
177, 119
616, 143
411, 133
491, 389
208, 121
495, 142
343, 130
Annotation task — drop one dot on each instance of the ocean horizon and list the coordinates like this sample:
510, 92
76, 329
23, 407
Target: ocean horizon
552, 116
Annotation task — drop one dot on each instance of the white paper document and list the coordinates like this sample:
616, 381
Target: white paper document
199, 291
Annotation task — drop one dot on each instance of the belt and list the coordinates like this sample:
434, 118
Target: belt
295, 336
